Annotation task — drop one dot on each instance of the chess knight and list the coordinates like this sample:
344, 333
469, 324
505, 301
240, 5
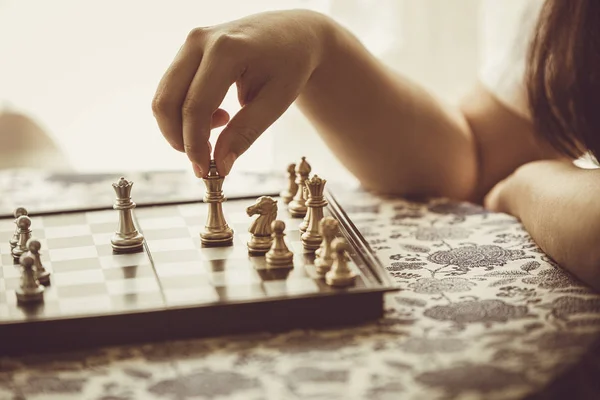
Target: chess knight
260, 230
216, 231
126, 238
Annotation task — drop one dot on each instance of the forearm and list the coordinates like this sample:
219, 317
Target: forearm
559, 207
393, 135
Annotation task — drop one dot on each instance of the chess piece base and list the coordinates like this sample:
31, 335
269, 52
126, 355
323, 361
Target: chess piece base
217, 238
333, 279
311, 242
259, 244
17, 252
297, 209
127, 244
44, 278
31, 296
280, 260
323, 265
286, 196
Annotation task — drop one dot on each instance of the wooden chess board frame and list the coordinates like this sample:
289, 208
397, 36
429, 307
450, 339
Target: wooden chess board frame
332, 308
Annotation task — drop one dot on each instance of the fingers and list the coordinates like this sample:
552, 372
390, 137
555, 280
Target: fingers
249, 123
206, 92
172, 90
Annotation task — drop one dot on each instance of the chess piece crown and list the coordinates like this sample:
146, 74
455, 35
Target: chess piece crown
214, 184
123, 191
315, 187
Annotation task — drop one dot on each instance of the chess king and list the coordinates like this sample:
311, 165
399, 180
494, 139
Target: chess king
126, 238
216, 231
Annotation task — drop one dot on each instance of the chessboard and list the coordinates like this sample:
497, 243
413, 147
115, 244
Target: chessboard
175, 287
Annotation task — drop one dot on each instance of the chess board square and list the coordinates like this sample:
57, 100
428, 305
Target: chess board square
131, 272
228, 264
171, 244
105, 249
137, 285
251, 291
67, 231
7, 259
2, 294
234, 277
190, 296
4, 311
82, 290
180, 269
290, 286
140, 300
73, 253
170, 257
73, 241
76, 265
61, 220
45, 309
187, 281
12, 283
162, 223
191, 210
62, 279
85, 305
102, 217
11, 271
105, 227
4, 246
223, 253
124, 260
155, 212
171, 233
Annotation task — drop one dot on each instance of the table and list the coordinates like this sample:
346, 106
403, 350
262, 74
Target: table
482, 314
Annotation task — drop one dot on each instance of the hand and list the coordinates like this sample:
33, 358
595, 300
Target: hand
269, 56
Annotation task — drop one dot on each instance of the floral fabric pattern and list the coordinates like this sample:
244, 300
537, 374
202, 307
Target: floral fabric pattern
482, 313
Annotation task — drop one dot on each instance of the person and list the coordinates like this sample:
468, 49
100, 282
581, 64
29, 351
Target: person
510, 144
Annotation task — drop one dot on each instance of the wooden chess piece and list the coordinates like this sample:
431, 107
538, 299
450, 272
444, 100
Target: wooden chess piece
328, 228
216, 231
315, 186
297, 206
261, 231
24, 234
41, 273
127, 238
340, 274
304, 224
15, 238
30, 290
279, 255
288, 194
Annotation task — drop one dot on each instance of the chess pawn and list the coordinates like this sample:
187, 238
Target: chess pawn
15, 238
24, 234
315, 186
261, 231
127, 238
304, 224
41, 273
288, 194
328, 228
216, 231
279, 255
340, 274
30, 290
297, 207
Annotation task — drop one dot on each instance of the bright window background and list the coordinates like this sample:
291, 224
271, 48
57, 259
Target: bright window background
86, 71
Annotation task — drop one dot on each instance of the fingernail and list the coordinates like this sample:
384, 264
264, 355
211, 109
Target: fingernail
197, 171
228, 162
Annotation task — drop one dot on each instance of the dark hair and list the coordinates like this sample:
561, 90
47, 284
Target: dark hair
563, 76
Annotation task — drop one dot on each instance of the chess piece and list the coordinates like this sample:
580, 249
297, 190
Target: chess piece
328, 228
304, 224
288, 194
24, 234
297, 207
41, 273
30, 290
15, 238
279, 255
311, 239
127, 238
261, 232
216, 231
340, 274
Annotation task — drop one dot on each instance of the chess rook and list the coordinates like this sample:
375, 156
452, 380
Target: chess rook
279, 255
127, 238
315, 186
216, 231
24, 234
41, 273
261, 231
15, 238
288, 194
30, 290
328, 228
340, 274
297, 206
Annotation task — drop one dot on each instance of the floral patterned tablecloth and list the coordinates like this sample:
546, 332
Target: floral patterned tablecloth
482, 314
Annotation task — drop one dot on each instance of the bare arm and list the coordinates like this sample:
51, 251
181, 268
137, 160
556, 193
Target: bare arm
558, 205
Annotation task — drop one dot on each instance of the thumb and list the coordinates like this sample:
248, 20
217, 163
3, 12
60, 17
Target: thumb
249, 123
